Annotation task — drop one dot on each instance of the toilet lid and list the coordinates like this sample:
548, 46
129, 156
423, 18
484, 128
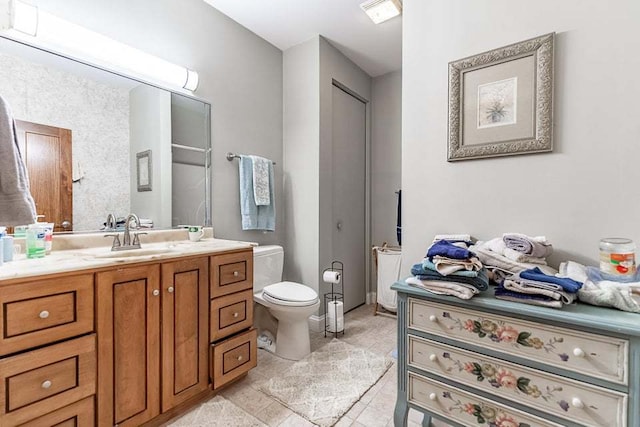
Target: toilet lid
290, 293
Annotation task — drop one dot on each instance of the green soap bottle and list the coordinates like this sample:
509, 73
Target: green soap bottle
35, 241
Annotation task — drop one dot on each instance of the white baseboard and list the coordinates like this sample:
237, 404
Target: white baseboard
316, 323
371, 297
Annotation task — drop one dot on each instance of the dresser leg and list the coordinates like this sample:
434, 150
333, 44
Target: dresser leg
426, 420
401, 412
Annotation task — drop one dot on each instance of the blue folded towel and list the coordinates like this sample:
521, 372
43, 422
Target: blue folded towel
255, 217
501, 291
481, 282
449, 250
568, 285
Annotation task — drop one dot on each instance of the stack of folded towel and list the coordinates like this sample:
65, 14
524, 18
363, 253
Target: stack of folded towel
449, 268
537, 288
512, 253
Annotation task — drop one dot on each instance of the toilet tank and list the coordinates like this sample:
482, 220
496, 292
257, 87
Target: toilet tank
268, 262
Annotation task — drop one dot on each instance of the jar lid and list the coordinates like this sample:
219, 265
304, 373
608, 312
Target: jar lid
616, 241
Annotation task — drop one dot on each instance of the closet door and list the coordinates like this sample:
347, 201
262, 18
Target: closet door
349, 190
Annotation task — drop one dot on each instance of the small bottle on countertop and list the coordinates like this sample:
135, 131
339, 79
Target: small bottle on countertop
35, 241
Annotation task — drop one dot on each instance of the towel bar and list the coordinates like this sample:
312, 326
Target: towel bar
231, 156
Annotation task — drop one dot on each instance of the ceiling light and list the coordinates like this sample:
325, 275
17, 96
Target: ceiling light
382, 10
36, 27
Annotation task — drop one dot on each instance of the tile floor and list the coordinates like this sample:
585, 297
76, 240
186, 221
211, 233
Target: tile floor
375, 407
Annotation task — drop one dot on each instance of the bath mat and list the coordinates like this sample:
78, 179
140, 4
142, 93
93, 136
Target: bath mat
324, 385
217, 412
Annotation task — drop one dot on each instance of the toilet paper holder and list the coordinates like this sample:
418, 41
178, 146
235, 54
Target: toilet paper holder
334, 300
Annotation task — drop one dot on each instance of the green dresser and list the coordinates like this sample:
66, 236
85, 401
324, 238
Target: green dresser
492, 363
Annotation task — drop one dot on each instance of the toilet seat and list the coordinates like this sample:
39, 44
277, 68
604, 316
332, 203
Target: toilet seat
290, 294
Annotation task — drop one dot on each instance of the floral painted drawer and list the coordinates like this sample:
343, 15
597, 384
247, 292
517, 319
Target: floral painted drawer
466, 408
585, 353
575, 401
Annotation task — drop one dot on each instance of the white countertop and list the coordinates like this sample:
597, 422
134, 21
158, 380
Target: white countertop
63, 261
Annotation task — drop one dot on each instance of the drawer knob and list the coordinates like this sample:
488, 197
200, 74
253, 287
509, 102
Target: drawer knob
239, 358
578, 352
236, 274
577, 403
156, 292
433, 318
433, 396
433, 357
46, 384
235, 314
170, 289
44, 314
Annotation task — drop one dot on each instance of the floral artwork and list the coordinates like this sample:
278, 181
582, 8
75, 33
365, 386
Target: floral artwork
502, 333
497, 103
484, 414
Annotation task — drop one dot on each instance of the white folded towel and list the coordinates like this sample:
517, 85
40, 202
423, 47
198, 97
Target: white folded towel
462, 236
261, 180
442, 287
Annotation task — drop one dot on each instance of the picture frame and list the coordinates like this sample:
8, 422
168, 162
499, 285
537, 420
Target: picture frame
501, 101
144, 168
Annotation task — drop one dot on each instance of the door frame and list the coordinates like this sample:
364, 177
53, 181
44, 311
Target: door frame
368, 288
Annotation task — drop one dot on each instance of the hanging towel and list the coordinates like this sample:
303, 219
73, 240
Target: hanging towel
261, 191
255, 217
399, 219
16, 203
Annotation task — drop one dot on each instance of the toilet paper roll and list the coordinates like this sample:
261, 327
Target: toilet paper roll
335, 314
331, 277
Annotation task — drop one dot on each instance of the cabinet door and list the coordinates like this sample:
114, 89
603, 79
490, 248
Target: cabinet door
185, 330
128, 326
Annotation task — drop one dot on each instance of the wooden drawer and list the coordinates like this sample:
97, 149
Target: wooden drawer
231, 273
466, 408
585, 404
79, 414
44, 380
585, 353
45, 311
233, 357
230, 314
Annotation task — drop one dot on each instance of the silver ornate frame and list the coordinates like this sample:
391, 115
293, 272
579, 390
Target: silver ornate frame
542, 50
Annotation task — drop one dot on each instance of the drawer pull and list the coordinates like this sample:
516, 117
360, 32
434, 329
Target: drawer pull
433, 357
578, 352
44, 314
433, 318
156, 292
577, 403
236, 274
433, 396
239, 358
46, 384
235, 314
170, 289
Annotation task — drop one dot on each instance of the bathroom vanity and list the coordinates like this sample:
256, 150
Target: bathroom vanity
88, 337
484, 361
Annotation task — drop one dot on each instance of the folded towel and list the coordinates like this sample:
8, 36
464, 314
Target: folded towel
535, 246
449, 250
261, 180
497, 245
452, 270
533, 289
255, 217
481, 282
491, 259
503, 294
569, 285
455, 289
453, 237
16, 202
446, 266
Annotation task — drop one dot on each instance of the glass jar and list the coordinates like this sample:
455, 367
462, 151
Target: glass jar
618, 256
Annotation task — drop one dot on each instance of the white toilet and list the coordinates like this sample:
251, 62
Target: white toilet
289, 302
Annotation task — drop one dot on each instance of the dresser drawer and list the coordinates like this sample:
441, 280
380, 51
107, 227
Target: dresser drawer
231, 273
585, 353
41, 381
233, 357
576, 401
230, 314
79, 414
44, 311
466, 408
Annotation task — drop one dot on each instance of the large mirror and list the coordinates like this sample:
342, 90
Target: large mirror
97, 143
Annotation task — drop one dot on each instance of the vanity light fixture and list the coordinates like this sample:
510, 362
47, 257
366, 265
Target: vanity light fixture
382, 10
29, 24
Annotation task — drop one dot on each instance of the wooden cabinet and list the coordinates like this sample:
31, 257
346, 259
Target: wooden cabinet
231, 273
233, 357
152, 324
518, 363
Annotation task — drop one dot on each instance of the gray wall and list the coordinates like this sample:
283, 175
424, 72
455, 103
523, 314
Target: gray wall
240, 75
386, 159
586, 188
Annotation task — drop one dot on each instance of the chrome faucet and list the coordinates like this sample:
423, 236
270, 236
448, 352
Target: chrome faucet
126, 238
111, 223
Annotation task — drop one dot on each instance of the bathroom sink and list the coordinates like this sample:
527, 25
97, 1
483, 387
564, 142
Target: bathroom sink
134, 253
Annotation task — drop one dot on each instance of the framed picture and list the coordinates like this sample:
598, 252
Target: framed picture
501, 101
144, 168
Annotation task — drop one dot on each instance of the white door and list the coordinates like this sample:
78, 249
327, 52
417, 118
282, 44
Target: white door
349, 173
